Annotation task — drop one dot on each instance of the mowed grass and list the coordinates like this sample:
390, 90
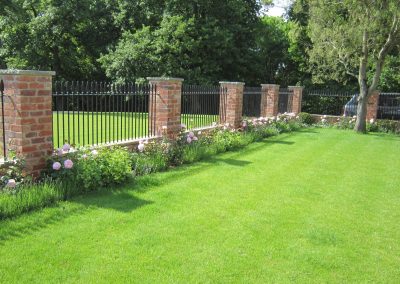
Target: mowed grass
317, 206
87, 128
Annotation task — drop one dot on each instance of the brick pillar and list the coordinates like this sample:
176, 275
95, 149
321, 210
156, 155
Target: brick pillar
269, 100
28, 116
165, 111
297, 98
231, 105
372, 105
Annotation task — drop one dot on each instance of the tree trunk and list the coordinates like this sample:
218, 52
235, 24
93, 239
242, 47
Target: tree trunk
361, 125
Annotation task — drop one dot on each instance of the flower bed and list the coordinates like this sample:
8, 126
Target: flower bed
74, 171
346, 122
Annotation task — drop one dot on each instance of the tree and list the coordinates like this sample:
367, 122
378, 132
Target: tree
353, 38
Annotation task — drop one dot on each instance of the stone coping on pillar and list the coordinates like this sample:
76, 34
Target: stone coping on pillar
270, 85
155, 79
232, 83
296, 87
26, 72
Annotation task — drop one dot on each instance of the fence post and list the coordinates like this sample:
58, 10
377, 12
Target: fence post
297, 98
165, 112
232, 104
28, 116
372, 105
269, 100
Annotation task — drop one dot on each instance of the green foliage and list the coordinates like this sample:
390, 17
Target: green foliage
93, 169
29, 197
155, 158
306, 118
12, 170
385, 126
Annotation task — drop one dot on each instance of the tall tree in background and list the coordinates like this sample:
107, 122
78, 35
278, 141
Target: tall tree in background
353, 38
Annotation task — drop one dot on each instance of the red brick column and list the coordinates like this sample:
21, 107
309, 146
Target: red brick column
231, 105
269, 100
372, 105
28, 116
165, 106
297, 98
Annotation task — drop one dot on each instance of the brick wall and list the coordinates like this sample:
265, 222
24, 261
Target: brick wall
165, 112
297, 98
269, 100
232, 103
372, 105
28, 115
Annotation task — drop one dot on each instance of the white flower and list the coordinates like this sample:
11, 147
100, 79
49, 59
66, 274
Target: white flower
323, 120
372, 121
141, 147
198, 133
324, 116
94, 152
11, 183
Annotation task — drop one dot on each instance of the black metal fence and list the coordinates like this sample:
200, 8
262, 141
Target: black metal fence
329, 102
87, 113
3, 153
252, 101
202, 106
285, 100
389, 106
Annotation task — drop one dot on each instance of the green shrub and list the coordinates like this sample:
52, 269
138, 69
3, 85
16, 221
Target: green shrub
92, 169
306, 118
29, 197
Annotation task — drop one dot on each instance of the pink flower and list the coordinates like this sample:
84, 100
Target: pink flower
60, 152
195, 138
191, 134
68, 164
189, 140
56, 166
11, 183
66, 147
140, 147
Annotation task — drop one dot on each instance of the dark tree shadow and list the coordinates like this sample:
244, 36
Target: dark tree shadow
118, 200
283, 142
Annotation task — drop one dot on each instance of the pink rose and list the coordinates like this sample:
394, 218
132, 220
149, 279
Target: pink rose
66, 147
68, 164
191, 134
56, 166
195, 138
189, 140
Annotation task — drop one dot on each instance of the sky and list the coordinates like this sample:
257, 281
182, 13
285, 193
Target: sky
279, 8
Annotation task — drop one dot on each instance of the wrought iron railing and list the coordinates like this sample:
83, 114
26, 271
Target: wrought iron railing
285, 100
389, 106
3, 126
88, 113
252, 101
329, 102
202, 106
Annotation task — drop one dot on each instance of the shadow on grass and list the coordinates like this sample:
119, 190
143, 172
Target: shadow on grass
121, 199
117, 200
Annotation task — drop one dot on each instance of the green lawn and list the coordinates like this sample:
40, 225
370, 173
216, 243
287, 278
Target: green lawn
319, 206
88, 128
